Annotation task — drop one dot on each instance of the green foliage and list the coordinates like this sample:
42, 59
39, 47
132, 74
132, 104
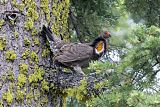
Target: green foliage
147, 10
142, 99
115, 98
137, 70
88, 18
143, 55
126, 99
100, 67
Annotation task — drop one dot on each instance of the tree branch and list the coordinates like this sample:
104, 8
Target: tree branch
75, 25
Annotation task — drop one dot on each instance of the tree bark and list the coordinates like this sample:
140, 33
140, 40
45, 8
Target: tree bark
28, 76
24, 57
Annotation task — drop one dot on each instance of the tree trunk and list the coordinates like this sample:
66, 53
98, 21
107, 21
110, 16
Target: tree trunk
25, 62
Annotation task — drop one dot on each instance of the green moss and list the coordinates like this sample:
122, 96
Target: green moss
39, 71
37, 75
1, 84
4, 77
2, 43
26, 41
45, 86
13, 2
21, 80
35, 85
34, 57
1, 22
26, 54
8, 97
29, 24
45, 52
36, 94
36, 41
11, 86
60, 10
78, 92
29, 96
34, 32
31, 4
39, 105
45, 7
32, 78
23, 68
3, 2
12, 22
31, 12
19, 6
16, 34
20, 95
10, 75
10, 55
44, 100
1, 103
28, 2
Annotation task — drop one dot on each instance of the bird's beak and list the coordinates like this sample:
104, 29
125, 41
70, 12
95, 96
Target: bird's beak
109, 35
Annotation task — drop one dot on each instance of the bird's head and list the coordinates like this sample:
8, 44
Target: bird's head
105, 34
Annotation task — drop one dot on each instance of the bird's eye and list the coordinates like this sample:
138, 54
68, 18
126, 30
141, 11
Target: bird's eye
107, 33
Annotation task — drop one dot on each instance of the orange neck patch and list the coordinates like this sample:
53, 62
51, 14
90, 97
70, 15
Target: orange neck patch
100, 47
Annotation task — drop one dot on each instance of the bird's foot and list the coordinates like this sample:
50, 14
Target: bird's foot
78, 70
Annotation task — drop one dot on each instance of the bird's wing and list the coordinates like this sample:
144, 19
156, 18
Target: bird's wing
74, 52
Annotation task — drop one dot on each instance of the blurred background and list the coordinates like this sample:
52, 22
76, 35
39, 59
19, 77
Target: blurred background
131, 66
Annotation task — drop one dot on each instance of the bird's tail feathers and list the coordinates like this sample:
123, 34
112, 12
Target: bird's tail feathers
47, 32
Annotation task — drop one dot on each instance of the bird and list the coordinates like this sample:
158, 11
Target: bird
76, 56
